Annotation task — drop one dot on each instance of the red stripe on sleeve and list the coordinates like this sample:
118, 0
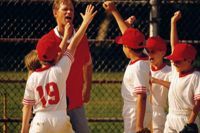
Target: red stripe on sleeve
28, 102
69, 55
140, 90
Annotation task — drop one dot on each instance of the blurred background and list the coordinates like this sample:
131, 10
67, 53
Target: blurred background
23, 22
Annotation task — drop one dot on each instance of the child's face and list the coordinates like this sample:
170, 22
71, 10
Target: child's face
155, 56
65, 13
126, 51
183, 65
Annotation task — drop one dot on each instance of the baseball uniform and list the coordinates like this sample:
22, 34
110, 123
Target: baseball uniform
184, 90
136, 80
159, 98
45, 90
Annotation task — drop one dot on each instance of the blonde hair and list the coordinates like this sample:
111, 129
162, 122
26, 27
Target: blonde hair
31, 61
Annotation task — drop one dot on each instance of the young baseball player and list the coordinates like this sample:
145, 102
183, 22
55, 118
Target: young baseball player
184, 91
32, 62
45, 89
156, 48
135, 87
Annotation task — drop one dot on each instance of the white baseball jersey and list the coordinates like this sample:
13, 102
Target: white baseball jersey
46, 88
159, 98
136, 81
184, 89
183, 92
159, 92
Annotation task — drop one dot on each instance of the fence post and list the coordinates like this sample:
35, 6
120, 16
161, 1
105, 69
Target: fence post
5, 126
153, 26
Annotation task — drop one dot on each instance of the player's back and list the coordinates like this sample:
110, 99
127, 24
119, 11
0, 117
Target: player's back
136, 79
49, 86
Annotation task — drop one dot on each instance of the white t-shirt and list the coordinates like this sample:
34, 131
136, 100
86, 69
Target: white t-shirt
184, 90
46, 87
159, 92
136, 80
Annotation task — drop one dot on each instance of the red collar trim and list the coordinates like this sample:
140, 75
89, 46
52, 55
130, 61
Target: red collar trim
182, 74
134, 61
43, 69
159, 68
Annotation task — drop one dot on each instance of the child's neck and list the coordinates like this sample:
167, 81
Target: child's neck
189, 69
43, 66
157, 65
137, 57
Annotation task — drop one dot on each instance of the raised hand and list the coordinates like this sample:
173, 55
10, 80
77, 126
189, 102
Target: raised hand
129, 21
109, 6
176, 17
89, 14
173, 33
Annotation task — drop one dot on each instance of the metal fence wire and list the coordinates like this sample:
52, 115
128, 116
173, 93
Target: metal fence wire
23, 22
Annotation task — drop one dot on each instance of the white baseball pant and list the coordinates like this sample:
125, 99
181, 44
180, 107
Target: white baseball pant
51, 122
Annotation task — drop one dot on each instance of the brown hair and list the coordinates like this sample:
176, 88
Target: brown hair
56, 3
31, 61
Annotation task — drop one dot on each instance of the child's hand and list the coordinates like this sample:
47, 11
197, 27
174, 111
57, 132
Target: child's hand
89, 14
109, 6
153, 80
68, 26
129, 21
176, 17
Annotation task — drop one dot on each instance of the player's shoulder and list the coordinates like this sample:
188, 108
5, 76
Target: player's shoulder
31, 78
194, 77
196, 73
167, 68
143, 63
66, 58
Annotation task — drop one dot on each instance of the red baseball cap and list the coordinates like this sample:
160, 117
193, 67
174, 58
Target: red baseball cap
182, 51
132, 37
156, 43
47, 49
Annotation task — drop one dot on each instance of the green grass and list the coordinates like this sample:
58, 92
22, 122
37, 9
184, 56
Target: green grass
111, 127
105, 101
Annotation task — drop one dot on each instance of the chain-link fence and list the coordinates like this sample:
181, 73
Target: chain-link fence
22, 22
